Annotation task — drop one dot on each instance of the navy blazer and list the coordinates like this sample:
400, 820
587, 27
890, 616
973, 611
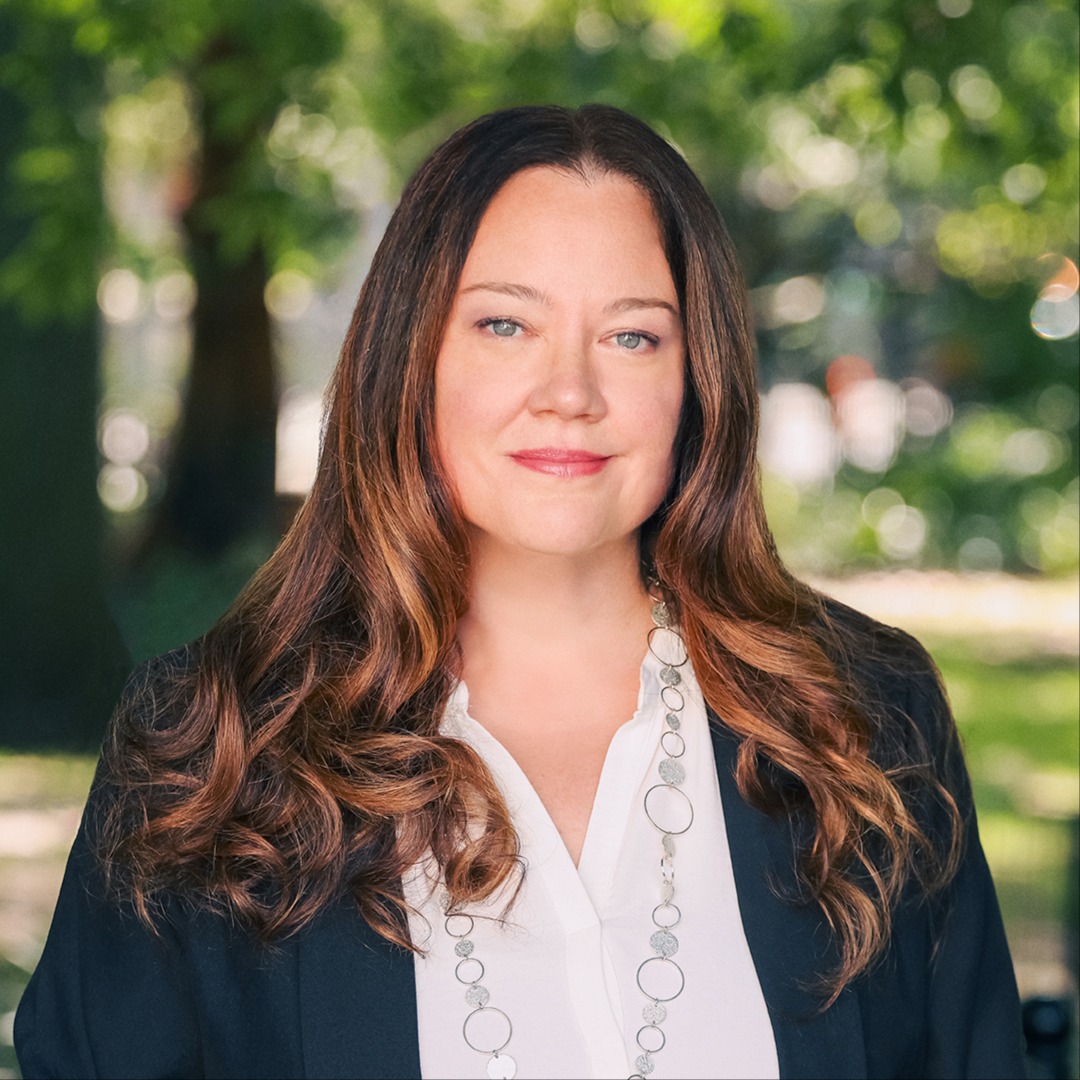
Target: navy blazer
202, 999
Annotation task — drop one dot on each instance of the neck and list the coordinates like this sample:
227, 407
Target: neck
527, 604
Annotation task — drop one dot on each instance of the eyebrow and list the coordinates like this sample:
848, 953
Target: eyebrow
527, 292
508, 288
633, 303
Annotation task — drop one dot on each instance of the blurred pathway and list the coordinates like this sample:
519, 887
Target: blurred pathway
1001, 611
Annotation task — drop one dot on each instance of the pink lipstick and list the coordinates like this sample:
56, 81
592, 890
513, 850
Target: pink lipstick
556, 462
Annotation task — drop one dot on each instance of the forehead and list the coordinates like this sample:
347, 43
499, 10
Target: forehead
545, 217
546, 189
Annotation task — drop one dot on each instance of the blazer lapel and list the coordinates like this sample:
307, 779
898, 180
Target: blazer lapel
357, 1000
790, 943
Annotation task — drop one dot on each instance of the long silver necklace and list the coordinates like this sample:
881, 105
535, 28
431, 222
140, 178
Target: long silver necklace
487, 1029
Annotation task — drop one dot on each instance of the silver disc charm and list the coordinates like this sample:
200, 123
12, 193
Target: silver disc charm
477, 996
673, 721
668, 843
644, 1064
670, 676
671, 772
660, 614
664, 943
502, 1067
654, 1013
464, 948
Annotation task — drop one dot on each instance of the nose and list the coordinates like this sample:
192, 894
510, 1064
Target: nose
568, 385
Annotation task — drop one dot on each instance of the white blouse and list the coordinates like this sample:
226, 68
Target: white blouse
562, 967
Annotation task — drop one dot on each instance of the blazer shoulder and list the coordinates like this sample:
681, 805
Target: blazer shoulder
897, 685
891, 669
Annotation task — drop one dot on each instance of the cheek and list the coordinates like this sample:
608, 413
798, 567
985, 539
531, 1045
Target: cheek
464, 420
448, 407
658, 420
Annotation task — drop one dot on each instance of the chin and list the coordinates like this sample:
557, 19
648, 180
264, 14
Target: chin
561, 539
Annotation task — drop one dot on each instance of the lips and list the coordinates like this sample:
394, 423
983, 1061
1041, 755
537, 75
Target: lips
554, 461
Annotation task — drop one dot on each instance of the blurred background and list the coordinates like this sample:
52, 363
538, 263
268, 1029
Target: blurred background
190, 192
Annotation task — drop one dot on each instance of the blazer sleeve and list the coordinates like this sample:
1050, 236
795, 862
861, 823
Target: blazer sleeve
973, 1008
109, 997
943, 1003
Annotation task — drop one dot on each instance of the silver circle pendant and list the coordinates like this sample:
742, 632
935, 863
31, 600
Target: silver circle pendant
502, 1067
664, 977
669, 809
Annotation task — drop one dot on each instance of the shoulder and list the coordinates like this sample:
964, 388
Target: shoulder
138, 755
892, 669
898, 687
152, 677
154, 693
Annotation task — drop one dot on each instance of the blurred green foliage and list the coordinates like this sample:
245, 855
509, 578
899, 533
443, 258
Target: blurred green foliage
899, 176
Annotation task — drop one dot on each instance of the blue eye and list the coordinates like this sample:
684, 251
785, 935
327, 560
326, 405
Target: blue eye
631, 339
502, 327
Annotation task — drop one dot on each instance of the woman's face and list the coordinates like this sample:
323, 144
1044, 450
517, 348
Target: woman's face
559, 380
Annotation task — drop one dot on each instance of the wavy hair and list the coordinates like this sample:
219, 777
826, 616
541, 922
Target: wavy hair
294, 753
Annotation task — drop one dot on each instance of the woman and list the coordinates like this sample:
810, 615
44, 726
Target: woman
427, 724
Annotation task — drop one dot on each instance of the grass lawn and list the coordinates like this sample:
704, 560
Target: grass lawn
1018, 719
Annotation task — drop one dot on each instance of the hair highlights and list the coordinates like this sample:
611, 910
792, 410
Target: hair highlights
296, 752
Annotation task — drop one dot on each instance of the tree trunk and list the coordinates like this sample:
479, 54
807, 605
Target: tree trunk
220, 480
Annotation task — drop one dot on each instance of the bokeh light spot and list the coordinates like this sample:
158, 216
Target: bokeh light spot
288, 295
122, 488
845, 371
1023, 183
870, 414
174, 295
901, 531
298, 430
878, 222
798, 300
119, 295
1056, 319
123, 436
1031, 452
975, 92
595, 31
798, 442
980, 553
926, 409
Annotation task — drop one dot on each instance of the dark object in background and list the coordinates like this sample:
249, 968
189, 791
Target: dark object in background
1048, 1030
62, 660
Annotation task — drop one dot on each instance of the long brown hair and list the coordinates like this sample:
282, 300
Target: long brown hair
294, 751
